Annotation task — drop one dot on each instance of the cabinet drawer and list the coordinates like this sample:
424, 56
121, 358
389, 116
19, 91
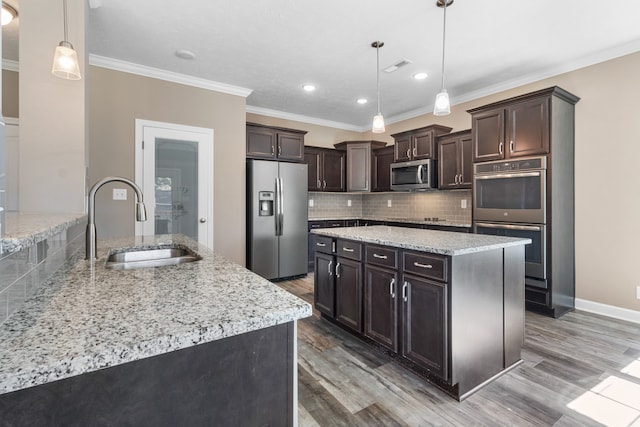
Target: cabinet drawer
323, 244
426, 265
349, 249
382, 256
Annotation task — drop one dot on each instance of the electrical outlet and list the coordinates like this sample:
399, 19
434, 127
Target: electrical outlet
349, 202
637, 292
119, 194
389, 203
310, 203
463, 203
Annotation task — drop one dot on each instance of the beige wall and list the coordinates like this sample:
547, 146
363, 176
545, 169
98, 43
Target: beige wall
52, 111
607, 151
116, 99
10, 93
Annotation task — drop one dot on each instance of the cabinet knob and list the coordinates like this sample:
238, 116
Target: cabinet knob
203, 220
415, 151
511, 146
501, 148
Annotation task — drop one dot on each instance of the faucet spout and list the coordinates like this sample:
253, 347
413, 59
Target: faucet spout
91, 238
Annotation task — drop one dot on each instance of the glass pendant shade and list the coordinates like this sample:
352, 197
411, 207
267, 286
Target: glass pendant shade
8, 14
378, 124
442, 107
65, 62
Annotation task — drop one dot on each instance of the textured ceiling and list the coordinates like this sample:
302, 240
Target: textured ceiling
273, 47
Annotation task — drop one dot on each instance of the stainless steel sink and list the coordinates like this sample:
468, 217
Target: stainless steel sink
151, 257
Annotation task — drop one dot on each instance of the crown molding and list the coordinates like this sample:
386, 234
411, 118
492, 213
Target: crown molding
10, 65
300, 118
156, 73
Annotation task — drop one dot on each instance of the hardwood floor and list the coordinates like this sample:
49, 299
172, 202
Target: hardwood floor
580, 370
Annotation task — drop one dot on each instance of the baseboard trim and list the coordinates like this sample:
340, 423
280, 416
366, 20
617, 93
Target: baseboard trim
608, 310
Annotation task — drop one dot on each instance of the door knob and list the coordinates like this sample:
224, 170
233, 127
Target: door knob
203, 220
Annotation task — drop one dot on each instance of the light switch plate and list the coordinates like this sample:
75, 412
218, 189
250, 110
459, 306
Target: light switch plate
637, 292
389, 203
463, 203
310, 203
119, 194
349, 202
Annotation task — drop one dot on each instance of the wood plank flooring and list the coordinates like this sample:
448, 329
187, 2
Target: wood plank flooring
580, 370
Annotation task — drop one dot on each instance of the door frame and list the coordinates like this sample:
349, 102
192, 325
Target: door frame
140, 125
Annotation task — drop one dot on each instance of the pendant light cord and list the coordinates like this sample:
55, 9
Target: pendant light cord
444, 28
378, 72
64, 5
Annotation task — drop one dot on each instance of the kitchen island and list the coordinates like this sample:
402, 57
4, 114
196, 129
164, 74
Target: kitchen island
195, 344
449, 306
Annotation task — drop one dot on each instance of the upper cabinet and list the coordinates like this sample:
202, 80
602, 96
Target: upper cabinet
515, 127
418, 143
455, 166
273, 143
360, 171
382, 159
325, 168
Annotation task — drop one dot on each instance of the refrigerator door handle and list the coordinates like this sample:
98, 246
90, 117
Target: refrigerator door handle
281, 207
277, 207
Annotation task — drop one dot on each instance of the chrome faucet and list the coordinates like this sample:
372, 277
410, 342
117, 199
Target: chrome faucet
141, 212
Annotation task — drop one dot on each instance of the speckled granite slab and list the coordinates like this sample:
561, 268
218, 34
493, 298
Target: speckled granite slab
405, 220
89, 317
439, 242
25, 229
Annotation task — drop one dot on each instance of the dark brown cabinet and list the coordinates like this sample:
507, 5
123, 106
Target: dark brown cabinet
418, 144
360, 171
324, 289
516, 129
273, 143
455, 165
326, 169
349, 293
382, 159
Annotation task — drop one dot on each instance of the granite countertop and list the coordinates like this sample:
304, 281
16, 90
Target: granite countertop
439, 242
445, 223
25, 229
88, 317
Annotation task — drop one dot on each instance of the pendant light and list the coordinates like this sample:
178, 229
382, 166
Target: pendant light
378, 120
8, 14
441, 106
65, 60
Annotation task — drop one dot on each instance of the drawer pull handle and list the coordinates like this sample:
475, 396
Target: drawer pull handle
417, 264
391, 292
347, 249
322, 245
338, 270
380, 256
404, 292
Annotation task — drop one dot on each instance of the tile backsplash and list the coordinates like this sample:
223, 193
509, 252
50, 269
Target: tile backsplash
418, 205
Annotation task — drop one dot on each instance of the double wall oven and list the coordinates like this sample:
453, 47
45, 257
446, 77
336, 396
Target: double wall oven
509, 199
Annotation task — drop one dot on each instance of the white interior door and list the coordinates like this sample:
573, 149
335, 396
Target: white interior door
174, 168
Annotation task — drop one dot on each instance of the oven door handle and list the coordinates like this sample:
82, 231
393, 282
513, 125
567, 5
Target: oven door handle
509, 175
510, 227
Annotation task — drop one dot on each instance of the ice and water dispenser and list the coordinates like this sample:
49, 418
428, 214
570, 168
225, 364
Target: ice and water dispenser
265, 203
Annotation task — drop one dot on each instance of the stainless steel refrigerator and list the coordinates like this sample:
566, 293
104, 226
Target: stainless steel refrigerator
277, 218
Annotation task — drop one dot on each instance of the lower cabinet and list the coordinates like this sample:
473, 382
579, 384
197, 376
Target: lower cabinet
380, 306
324, 289
424, 320
349, 293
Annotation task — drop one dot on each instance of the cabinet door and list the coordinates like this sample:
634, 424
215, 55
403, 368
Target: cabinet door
448, 163
528, 128
488, 135
290, 146
313, 159
324, 290
349, 293
382, 159
359, 167
380, 306
403, 148
333, 167
261, 143
425, 336
311, 243
465, 165
423, 145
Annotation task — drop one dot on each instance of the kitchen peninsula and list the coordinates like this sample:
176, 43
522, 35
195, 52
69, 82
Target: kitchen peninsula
188, 344
447, 305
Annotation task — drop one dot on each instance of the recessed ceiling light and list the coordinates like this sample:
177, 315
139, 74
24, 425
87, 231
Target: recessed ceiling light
420, 76
185, 54
309, 87
362, 101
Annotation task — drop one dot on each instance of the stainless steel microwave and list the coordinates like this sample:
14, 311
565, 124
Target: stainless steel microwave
417, 175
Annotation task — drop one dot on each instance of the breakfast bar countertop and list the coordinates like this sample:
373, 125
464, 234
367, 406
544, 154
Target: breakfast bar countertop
439, 242
87, 317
